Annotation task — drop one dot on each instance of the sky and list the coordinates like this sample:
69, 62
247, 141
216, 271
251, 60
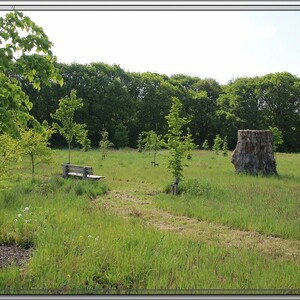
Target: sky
222, 45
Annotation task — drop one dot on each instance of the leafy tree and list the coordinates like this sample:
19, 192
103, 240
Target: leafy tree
217, 144
104, 144
25, 54
82, 139
188, 141
225, 147
152, 142
205, 145
67, 127
9, 152
277, 137
177, 143
279, 95
34, 143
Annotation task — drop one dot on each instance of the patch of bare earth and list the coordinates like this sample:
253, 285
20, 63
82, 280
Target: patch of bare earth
129, 205
13, 255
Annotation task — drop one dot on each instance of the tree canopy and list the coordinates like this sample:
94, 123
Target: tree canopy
127, 103
25, 56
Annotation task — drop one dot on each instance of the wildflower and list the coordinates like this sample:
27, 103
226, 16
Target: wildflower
15, 220
89, 236
81, 237
69, 276
19, 215
97, 238
25, 209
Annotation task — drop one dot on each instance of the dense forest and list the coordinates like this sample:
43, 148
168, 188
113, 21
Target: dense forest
126, 103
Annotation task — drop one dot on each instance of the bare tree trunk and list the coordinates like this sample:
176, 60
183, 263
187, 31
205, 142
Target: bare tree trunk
32, 165
254, 152
69, 152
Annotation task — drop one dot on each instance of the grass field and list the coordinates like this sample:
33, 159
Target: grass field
124, 234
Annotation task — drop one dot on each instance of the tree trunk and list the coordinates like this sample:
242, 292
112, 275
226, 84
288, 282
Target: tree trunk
254, 153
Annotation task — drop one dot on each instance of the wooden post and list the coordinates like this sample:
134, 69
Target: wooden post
175, 186
254, 153
65, 170
84, 173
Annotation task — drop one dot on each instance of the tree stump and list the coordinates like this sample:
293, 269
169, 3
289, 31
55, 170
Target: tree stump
254, 153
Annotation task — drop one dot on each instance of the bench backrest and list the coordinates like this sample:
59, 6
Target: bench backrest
68, 168
79, 169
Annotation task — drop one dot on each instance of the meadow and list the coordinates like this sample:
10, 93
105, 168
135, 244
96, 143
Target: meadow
225, 233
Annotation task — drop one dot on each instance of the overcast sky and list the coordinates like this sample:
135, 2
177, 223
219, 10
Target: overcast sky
217, 44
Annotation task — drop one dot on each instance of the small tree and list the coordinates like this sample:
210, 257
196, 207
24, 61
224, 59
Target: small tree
188, 140
67, 127
177, 143
152, 142
83, 140
104, 144
217, 144
277, 137
9, 152
34, 143
225, 147
205, 145
141, 141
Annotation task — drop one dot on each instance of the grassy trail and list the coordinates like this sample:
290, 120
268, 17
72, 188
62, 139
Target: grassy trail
133, 202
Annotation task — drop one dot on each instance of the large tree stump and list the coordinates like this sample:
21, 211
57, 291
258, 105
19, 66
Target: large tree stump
254, 153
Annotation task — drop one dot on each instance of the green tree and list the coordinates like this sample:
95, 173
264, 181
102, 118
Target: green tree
277, 137
205, 145
121, 136
177, 143
104, 144
9, 152
67, 127
25, 54
152, 142
217, 144
35, 144
225, 147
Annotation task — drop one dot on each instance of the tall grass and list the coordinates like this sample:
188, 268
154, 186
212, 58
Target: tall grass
80, 247
212, 190
83, 249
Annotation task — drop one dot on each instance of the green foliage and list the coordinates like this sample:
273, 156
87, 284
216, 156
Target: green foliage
9, 152
35, 144
140, 101
177, 143
225, 147
277, 137
121, 136
260, 102
25, 54
67, 127
81, 246
205, 145
150, 141
104, 144
217, 144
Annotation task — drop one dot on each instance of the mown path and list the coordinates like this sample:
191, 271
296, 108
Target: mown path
139, 203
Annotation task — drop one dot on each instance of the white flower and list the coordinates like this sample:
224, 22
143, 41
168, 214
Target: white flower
89, 236
19, 215
15, 220
96, 238
25, 209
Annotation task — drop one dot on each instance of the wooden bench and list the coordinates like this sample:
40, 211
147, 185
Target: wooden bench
83, 172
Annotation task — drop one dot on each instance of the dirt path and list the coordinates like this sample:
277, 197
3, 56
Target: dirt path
128, 204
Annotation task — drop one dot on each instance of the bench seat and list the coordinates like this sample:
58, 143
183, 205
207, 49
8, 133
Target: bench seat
79, 171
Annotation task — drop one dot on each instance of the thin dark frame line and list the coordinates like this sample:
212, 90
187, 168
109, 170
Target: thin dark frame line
157, 6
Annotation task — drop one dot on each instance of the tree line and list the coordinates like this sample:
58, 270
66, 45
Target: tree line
127, 103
